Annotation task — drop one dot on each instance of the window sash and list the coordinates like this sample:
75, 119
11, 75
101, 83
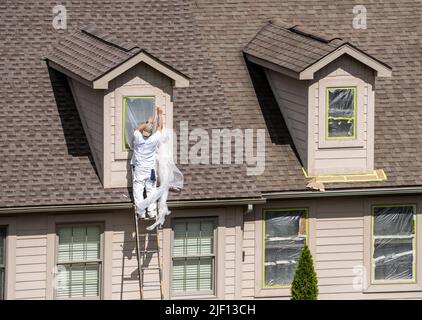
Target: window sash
198, 257
285, 249
125, 144
328, 117
384, 263
88, 261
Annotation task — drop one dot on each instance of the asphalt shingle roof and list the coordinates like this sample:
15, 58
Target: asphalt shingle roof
45, 158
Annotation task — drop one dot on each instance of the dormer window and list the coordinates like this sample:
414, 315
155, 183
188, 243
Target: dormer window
115, 89
325, 89
136, 109
341, 113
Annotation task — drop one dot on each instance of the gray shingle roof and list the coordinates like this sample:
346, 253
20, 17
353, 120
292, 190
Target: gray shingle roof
45, 158
290, 46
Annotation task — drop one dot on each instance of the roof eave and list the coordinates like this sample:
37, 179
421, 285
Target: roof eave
180, 80
381, 69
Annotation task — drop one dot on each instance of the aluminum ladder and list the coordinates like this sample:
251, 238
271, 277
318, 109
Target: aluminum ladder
141, 255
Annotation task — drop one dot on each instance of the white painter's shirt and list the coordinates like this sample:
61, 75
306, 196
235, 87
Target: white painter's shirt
143, 157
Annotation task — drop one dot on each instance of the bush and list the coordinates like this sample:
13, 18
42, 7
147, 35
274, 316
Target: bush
305, 283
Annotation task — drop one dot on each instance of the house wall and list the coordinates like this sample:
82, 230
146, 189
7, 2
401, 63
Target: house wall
339, 238
89, 103
139, 80
340, 242
292, 99
342, 156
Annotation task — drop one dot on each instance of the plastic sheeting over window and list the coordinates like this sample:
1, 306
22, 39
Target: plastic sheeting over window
341, 106
284, 238
136, 110
394, 252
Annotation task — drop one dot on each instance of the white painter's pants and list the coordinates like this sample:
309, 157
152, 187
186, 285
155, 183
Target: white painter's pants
142, 181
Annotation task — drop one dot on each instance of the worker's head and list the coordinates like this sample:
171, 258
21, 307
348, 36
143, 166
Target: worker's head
147, 130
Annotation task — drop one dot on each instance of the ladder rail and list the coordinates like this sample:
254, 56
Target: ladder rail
138, 256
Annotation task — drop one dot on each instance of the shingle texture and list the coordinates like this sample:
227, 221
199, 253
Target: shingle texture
289, 46
90, 53
45, 158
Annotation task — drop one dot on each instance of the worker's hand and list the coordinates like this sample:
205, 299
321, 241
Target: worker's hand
151, 119
160, 110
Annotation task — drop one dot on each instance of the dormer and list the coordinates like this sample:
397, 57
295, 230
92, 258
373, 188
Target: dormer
325, 89
113, 82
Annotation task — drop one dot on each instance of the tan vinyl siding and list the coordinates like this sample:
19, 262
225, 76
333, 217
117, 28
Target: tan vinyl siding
339, 238
292, 98
89, 103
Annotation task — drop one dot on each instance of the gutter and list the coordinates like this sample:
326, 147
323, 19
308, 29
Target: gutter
342, 193
129, 205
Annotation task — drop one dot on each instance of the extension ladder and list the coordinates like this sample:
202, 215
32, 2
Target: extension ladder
141, 254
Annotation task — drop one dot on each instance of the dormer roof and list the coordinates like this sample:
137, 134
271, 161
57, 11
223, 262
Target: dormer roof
298, 53
95, 57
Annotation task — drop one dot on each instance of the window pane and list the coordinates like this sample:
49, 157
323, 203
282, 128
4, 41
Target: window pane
340, 103
192, 275
79, 243
341, 127
394, 252
137, 109
393, 259
284, 241
341, 112
394, 220
179, 243
192, 238
78, 281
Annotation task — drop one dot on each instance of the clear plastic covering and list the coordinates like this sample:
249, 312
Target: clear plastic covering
341, 112
285, 236
137, 110
394, 248
169, 178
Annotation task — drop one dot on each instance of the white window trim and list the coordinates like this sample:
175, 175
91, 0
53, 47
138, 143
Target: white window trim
106, 220
120, 93
220, 217
100, 260
10, 266
368, 286
345, 81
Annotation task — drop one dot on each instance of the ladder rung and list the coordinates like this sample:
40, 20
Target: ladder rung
148, 251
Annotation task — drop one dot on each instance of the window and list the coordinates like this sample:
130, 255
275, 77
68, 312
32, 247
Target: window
193, 257
2, 261
79, 262
393, 243
341, 112
285, 233
135, 111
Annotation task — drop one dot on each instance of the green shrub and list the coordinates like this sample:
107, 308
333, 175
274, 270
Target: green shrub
305, 283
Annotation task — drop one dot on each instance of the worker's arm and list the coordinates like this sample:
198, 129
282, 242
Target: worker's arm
160, 119
142, 125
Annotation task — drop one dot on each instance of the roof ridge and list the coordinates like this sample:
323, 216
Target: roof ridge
108, 38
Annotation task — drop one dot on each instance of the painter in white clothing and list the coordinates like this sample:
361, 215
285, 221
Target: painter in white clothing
143, 162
